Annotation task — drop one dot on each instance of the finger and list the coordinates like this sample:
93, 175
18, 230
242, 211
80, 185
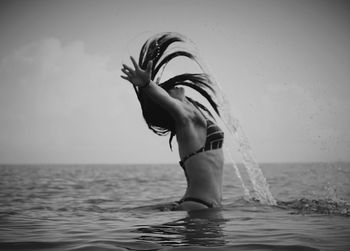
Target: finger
135, 64
127, 68
126, 71
124, 77
149, 66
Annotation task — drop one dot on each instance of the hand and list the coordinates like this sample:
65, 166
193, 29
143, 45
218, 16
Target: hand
137, 77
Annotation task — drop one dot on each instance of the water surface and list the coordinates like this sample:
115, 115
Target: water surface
123, 207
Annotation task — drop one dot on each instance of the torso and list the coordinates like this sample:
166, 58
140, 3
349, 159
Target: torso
204, 169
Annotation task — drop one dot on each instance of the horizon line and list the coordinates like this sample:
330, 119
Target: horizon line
163, 163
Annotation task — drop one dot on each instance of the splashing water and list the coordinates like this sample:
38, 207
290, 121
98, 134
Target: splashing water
260, 187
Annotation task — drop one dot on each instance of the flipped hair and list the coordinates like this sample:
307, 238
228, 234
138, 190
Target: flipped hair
157, 49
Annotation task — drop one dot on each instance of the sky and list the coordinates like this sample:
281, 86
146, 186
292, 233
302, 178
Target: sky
283, 65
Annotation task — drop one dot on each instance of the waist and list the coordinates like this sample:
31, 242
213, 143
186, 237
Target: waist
206, 167
203, 153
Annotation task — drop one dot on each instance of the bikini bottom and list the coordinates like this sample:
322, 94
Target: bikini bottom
203, 202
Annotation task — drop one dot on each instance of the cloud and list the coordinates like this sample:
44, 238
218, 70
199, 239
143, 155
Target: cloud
61, 103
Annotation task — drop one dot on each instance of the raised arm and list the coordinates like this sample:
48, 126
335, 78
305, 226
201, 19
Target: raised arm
142, 79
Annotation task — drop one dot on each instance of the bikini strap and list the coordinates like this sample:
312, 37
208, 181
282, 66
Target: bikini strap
182, 162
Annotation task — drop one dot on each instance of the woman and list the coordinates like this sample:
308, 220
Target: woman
166, 109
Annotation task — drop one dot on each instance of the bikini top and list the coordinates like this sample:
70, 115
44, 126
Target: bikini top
214, 140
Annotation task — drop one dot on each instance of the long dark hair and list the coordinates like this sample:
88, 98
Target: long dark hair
157, 49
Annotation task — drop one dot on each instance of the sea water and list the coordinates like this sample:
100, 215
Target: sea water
119, 207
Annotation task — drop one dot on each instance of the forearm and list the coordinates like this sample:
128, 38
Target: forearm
162, 98
156, 93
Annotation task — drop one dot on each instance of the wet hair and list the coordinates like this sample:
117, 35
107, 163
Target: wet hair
157, 49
